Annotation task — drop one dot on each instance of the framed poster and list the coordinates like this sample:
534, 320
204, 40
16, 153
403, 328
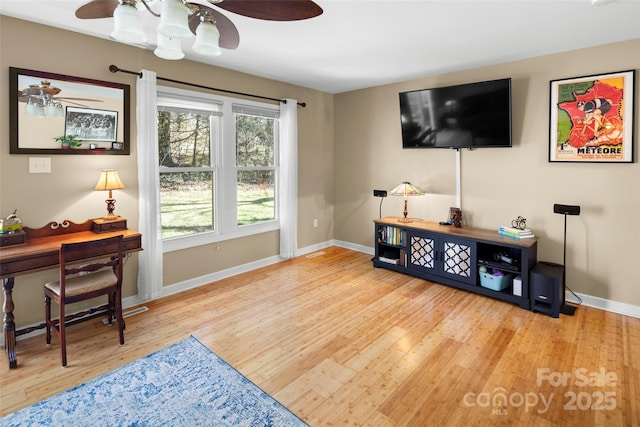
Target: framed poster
591, 118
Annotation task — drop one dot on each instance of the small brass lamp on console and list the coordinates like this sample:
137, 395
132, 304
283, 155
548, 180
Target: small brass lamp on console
406, 189
109, 180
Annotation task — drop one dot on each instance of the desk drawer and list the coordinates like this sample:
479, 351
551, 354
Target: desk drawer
133, 244
16, 238
102, 226
29, 265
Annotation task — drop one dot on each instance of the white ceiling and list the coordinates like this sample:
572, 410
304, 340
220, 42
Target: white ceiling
356, 44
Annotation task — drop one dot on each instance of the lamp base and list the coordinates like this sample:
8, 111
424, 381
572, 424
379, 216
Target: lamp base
110, 217
405, 220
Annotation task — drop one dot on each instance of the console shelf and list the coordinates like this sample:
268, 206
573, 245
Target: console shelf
453, 256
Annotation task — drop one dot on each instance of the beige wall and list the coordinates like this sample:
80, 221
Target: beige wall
67, 193
603, 254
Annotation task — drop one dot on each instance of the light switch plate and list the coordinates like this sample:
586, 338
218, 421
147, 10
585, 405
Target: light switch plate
39, 164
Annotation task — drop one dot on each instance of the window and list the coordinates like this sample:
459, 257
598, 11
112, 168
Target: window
256, 142
217, 165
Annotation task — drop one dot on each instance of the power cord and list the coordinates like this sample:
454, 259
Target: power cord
575, 295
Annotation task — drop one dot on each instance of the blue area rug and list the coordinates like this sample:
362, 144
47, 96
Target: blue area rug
183, 385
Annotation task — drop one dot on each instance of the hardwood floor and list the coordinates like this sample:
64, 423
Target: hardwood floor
342, 343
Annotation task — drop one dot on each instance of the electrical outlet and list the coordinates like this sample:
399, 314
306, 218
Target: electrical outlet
39, 164
315, 223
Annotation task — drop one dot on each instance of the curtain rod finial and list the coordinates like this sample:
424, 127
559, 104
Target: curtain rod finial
113, 68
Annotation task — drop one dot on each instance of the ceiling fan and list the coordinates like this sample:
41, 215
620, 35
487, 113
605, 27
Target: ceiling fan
180, 19
42, 101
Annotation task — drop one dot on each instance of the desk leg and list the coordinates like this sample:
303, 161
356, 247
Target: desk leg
9, 324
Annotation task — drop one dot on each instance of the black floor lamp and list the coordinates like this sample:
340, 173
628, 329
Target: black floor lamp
565, 210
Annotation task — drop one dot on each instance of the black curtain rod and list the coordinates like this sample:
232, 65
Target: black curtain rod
115, 69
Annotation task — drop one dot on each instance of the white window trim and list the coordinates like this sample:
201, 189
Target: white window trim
225, 225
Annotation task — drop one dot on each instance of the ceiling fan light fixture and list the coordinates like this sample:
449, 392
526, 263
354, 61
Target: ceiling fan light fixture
51, 110
207, 39
38, 111
127, 24
174, 20
30, 108
168, 48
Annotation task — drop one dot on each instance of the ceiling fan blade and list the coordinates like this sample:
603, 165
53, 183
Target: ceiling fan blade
273, 10
67, 98
229, 37
97, 9
75, 103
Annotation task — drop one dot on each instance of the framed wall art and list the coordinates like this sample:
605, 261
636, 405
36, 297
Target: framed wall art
591, 118
91, 124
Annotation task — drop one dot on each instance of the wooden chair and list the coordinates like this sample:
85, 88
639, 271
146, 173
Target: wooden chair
87, 270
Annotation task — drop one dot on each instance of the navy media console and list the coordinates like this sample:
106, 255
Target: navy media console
456, 256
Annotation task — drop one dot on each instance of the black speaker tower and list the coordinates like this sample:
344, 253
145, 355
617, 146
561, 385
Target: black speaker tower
566, 210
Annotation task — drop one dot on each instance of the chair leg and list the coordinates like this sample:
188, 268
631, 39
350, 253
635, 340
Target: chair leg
119, 317
47, 317
112, 309
63, 334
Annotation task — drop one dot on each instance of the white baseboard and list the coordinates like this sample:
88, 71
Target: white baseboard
605, 304
360, 248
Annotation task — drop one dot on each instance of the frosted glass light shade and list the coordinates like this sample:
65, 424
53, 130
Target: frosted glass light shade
51, 111
174, 20
127, 25
30, 109
168, 48
38, 111
207, 40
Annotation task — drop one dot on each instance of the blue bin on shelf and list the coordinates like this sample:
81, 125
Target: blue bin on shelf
495, 282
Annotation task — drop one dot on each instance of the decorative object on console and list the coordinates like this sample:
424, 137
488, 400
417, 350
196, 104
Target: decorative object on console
406, 189
109, 180
520, 223
455, 217
565, 210
179, 19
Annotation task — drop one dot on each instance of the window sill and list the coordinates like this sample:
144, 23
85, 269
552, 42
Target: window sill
186, 242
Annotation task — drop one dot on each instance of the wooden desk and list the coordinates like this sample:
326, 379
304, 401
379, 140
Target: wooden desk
40, 252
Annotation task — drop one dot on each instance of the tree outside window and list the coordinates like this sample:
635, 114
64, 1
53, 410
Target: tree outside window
256, 169
218, 167
186, 172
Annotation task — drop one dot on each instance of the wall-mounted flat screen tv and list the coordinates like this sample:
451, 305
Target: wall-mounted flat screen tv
470, 115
